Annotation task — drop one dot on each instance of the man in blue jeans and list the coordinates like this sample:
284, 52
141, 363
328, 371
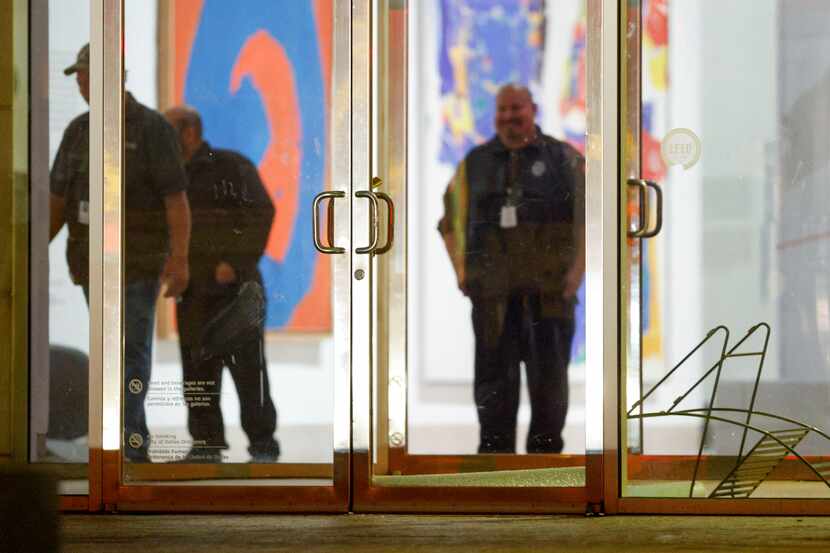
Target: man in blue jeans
156, 226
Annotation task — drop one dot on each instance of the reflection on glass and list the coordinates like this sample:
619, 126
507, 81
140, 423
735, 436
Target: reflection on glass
514, 229
226, 146
744, 242
157, 236
493, 142
511, 223
221, 314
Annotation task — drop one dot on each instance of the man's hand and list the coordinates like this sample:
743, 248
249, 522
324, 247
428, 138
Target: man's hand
461, 277
176, 276
573, 279
225, 273
462, 285
57, 205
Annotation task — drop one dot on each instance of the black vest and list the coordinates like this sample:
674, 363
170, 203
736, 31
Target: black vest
542, 181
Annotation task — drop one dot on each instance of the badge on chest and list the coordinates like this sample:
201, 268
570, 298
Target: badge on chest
509, 218
83, 212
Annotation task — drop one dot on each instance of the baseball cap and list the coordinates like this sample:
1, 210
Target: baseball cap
81, 61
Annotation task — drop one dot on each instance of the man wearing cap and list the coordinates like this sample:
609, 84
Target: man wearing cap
514, 228
232, 218
156, 227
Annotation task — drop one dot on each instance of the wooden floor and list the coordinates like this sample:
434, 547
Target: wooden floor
375, 533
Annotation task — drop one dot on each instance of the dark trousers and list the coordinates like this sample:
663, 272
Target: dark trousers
203, 378
507, 332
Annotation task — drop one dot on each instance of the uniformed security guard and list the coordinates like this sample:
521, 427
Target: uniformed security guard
156, 226
514, 229
232, 218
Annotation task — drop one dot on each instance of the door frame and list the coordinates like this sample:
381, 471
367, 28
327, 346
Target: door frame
630, 71
612, 105
601, 311
106, 294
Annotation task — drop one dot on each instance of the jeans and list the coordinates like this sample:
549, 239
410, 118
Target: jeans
139, 316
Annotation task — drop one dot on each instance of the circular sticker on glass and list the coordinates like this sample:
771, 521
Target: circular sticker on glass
681, 147
136, 386
538, 168
136, 441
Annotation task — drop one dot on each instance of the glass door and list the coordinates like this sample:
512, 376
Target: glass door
476, 394
227, 255
49, 423
725, 371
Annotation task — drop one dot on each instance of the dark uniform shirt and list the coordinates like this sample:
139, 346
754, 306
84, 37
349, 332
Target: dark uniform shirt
544, 184
153, 169
232, 214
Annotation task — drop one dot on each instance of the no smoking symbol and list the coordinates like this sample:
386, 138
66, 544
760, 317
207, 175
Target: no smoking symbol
136, 386
136, 441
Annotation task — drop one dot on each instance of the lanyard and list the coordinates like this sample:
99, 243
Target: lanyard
513, 187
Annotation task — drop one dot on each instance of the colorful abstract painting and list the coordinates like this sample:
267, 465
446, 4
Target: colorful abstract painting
483, 45
572, 103
258, 71
487, 43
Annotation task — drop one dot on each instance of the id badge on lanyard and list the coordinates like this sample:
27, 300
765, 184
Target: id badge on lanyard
509, 218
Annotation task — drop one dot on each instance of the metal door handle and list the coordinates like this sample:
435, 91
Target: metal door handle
373, 221
390, 223
658, 224
330, 222
315, 222
642, 193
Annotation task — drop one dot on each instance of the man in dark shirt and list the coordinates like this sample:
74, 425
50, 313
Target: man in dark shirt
514, 229
156, 226
232, 218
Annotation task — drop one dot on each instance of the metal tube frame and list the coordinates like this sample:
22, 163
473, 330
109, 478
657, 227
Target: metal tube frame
604, 229
104, 176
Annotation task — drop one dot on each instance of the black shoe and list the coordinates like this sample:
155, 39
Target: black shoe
201, 456
265, 453
497, 443
544, 443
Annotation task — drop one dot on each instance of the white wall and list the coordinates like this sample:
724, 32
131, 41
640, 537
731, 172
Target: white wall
716, 255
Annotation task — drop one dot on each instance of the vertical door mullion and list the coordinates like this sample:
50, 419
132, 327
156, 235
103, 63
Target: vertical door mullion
96, 226
361, 277
602, 231
341, 147
106, 172
630, 278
